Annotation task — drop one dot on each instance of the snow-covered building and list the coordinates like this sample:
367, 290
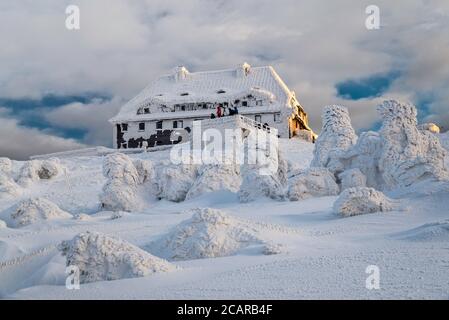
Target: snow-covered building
175, 100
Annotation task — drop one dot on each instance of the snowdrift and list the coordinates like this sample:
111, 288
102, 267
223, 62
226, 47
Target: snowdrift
315, 182
209, 233
36, 209
100, 257
436, 231
357, 201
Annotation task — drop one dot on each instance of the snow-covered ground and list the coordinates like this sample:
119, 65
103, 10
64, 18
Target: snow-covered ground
265, 249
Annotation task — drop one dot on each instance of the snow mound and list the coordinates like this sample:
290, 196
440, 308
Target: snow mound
436, 231
357, 201
9, 187
36, 170
215, 178
5, 165
364, 156
120, 190
255, 186
36, 209
100, 257
352, 178
337, 135
173, 182
209, 233
315, 182
273, 248
408, 154
2, 224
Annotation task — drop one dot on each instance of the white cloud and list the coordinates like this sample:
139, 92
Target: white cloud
18, 142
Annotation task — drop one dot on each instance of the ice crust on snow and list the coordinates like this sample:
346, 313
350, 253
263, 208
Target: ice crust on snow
100, 257
337, 136
357, 201
36, 209
315, 182
209, 233
408, 154
120, 190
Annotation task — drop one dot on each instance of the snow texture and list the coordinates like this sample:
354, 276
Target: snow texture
357, 201
337, 136
315, 182
8, 187
5, 165
120, 190
36, 170
408, 155
352, 178
435, 231
209, 233
364, 156
36, 209
145, 170
173, 182
100, 257
215, 178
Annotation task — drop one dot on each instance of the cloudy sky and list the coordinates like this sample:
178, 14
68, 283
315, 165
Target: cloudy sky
58, 87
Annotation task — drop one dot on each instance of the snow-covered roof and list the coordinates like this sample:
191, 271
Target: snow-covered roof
182, 86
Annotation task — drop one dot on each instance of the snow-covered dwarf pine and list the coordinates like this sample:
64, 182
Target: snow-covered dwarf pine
100, 257
35, 170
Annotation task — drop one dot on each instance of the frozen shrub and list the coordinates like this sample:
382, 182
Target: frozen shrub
5, 165
173, 182
100, 257
352, 178
357, 201
145, 170
256, 185
408, 155
120, 190
364, 156
36, 170
36, 209
315, 182
337, 136
9, 187
215, 178
209, 233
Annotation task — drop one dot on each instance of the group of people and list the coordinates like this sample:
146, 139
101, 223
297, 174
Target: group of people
221, 112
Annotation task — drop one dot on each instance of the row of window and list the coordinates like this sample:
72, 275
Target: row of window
177, 124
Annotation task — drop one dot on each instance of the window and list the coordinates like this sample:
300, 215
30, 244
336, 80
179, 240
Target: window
184, 94
183, 108
277, 117
178, 124
245, 103
258, 118
124, 127
146, 110
159, 125
142, 126
221, 91
124, 145
258, 102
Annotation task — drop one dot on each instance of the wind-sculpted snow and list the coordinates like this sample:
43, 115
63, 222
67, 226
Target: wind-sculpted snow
35, 170
5, 165
408, 154
215, 178
209, 233
337, 136
120, 190
357, 201
315, 182
8, 187
100, 257
364, 156
173, 182
36, 209
352, 178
